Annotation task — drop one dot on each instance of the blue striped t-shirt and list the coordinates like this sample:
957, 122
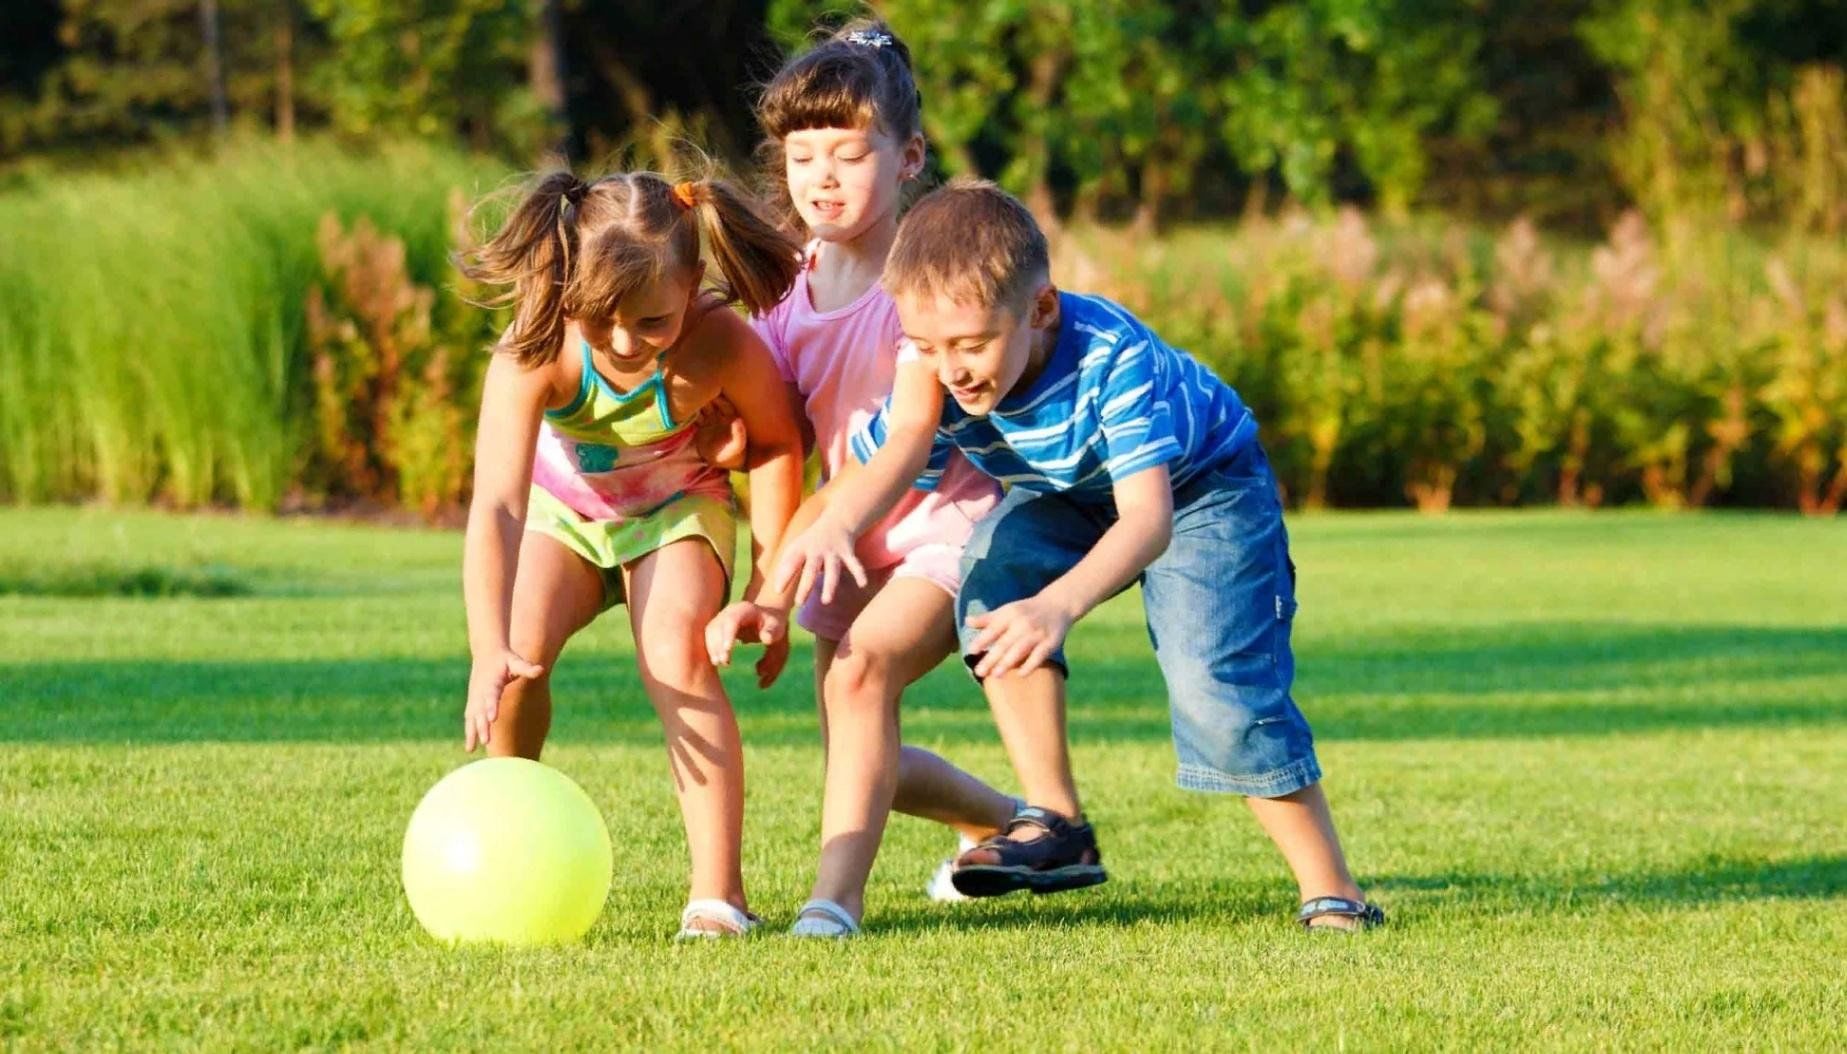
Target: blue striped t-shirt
1114, 399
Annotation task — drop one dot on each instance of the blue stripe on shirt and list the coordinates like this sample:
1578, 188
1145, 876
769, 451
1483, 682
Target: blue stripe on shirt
1113, 400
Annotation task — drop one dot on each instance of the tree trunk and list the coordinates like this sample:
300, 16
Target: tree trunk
1045, 70
214, 64
1153, 193
545, 76
284, 38
637, 100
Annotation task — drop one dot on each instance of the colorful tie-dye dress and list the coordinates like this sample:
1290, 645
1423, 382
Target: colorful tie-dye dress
615, 477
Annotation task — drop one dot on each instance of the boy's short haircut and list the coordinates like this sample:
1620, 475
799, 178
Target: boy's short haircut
969, 242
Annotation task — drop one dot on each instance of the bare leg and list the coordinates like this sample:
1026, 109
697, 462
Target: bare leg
673, 593
930, 786
1030, 713
1303, 829
555, 594
901, 635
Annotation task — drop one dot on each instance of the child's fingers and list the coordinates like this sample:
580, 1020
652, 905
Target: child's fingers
830, 577
853, 566
1010, 652
1035, 658
771, 665
476, 729
805, 584
719, 633
521, 668
772, 628
992, 625
992, 654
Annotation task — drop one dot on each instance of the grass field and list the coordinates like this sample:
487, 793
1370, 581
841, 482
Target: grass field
1592, 765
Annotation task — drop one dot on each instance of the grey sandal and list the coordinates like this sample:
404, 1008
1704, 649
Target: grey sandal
1364, 916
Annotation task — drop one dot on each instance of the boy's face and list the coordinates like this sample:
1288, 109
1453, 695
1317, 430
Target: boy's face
980, 352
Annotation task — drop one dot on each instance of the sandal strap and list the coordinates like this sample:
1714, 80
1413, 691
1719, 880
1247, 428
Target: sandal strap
722, 912
1059, 836
1032, 816
1319, 907
830, 910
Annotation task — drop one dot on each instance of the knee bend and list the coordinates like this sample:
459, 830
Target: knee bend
679, 660
858, 680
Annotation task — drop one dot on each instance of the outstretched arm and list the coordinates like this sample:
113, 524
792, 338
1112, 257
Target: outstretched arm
773, 454
512, 402
821, 542
1022, 634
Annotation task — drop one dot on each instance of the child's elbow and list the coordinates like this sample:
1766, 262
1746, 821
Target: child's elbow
1161, 536
781, 453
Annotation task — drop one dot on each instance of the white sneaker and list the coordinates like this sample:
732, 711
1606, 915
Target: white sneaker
940, 888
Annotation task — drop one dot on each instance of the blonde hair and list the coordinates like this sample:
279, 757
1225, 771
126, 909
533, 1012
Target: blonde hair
573, 249
969, 242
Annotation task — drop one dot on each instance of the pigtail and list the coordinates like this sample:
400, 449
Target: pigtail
757, 259
533, 253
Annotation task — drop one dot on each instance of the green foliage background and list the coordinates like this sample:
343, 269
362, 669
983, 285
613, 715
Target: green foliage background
1486, 251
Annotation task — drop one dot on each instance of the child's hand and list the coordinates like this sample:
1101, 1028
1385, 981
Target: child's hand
487, 679
749, 622
1019, 636
824, 549
719, 436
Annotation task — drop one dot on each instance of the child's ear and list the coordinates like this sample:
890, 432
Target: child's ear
911, 158
1045, 306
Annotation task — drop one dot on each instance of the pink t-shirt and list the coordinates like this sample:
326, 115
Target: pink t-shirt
844, 362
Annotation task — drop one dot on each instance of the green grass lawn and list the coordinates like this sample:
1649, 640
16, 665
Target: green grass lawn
1594, 766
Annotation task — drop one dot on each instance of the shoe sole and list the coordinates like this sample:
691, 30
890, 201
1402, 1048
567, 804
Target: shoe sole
980, 880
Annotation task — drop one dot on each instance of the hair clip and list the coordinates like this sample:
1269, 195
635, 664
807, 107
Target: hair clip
867, 39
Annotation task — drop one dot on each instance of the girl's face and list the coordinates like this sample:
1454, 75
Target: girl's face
648, 320
845, 180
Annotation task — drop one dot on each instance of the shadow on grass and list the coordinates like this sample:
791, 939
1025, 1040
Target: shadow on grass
105, 580
1124, 902
1714, 878
1571, 679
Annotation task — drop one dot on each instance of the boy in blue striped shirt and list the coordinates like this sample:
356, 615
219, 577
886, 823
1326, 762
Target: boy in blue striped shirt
1126, 461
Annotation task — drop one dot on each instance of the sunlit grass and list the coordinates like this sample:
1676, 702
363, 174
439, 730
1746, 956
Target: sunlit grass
1590, 764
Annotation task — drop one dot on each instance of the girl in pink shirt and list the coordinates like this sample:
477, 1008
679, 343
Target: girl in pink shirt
844, 117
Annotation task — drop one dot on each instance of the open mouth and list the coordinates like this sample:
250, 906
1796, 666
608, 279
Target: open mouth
827, 210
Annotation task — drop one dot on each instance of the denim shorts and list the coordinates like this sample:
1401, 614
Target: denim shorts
1219, 604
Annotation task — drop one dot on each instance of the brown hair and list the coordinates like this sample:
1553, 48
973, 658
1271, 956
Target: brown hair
573, 249
970, 242
858, 77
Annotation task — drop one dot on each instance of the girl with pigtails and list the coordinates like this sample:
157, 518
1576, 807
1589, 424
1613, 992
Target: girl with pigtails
589, 490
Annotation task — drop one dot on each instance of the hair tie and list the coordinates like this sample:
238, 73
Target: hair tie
686, 193
867, 39
575, 193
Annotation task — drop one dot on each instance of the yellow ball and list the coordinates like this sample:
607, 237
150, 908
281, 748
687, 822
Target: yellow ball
507, 850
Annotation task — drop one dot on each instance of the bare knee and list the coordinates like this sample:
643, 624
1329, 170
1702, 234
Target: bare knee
859, 681
673, 653
534, 644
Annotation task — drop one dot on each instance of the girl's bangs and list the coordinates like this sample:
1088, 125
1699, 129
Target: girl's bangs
825, 95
